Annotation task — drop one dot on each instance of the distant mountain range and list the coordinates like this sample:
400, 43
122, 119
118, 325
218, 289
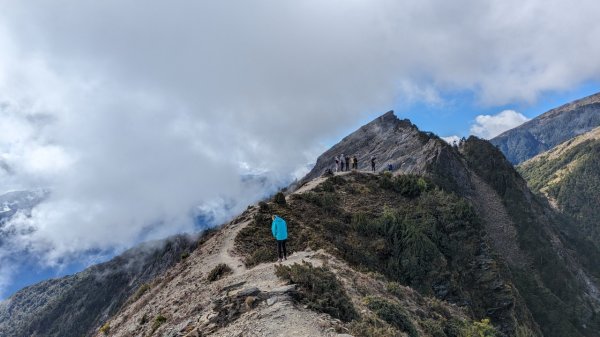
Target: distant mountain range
549, 129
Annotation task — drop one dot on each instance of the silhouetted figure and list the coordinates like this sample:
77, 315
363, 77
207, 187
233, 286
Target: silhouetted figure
373, 164
347, 163
355, 163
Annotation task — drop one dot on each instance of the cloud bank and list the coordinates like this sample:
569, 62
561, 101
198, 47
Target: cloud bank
489, 126
134, 114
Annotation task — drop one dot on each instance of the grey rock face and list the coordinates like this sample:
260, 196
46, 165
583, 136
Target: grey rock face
394, 142
549, 129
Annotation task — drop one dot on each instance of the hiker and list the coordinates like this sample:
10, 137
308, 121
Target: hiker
342, 162
355, 162
373, 164
390, 167
279, 230
337, 164
347, 163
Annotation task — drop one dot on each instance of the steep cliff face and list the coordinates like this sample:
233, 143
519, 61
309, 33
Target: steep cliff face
549, 129
76, 305
557, 279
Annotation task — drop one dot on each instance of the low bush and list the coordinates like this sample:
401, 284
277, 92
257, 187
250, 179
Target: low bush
373, 327
433, 328
218, 272
105, 329
460, 328
393, 314
407, 185
395, 289
319, 289
158, 321
279, 198
140, 291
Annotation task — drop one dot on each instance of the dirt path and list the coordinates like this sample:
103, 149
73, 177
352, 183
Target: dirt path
226, 250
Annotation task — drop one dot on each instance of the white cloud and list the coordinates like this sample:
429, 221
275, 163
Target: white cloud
451, 139
489, 126
135, 113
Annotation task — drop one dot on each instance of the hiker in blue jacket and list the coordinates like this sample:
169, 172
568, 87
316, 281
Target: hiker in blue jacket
279, 230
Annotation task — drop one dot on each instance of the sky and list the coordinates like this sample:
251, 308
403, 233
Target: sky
139, 116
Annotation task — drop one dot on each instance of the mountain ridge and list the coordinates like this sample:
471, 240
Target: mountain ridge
549, 129
452, 228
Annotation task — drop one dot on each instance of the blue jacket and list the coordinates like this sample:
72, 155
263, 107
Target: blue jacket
279, 228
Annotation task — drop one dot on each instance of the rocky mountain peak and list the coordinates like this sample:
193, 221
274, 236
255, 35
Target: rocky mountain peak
394, 143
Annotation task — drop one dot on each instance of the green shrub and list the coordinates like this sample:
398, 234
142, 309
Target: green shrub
218, 272
185, 255
483, 328
433, 328
319, 289
395, 289
407, 185
261, 255
456, 328
327, 186
263, 207
158, 321
279, 198
141, 291
393, 314
105, 329
372, 327
459, 328
328, 202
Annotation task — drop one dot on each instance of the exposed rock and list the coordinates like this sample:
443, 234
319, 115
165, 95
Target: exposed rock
271, 300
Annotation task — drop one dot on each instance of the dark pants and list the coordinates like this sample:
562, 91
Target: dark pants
373, 166
281, 252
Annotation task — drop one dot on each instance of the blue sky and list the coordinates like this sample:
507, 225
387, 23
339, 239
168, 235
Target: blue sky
456, 116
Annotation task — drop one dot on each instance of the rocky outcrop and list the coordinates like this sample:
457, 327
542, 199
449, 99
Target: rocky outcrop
399, 145
549, 129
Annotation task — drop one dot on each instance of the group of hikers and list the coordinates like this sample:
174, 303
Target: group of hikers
346, 163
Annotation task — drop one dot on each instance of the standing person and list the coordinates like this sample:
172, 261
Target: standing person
373, 163
279, 230
347, 163
337, 164
342, 162
355, 162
